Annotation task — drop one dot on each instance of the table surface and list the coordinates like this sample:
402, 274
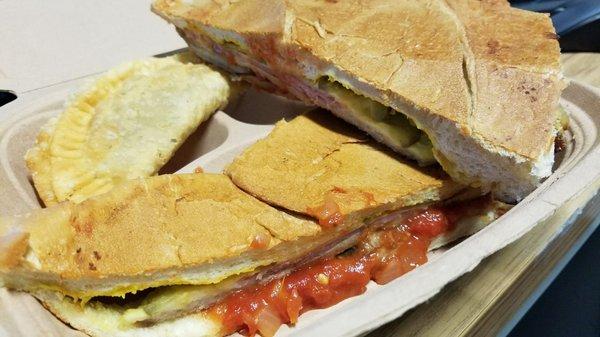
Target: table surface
493, 297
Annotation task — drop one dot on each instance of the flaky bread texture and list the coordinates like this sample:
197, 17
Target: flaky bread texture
170, 229
315, 158
38, 160
125, 125
481, 79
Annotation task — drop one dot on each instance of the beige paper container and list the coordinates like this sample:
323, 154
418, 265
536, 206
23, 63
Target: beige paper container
219, 140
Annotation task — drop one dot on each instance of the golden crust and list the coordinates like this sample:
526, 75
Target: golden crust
515, 77
495, 33
396, 55
13, 245
145, 227
37, 160
199, 229
412, 53
315, 157
126, 125
482, 79
98, 319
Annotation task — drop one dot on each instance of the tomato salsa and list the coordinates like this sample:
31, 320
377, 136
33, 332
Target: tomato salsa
381, 255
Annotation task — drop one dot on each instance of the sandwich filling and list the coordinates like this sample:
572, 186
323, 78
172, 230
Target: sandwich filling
382, 254
326, 90
394, 126
260, 65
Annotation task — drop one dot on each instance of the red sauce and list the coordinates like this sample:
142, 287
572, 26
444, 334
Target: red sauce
381, 255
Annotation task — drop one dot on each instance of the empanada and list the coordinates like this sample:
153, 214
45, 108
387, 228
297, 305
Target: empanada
125, 125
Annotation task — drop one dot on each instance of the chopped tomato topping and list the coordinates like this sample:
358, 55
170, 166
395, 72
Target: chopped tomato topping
431, 222
381, 255
198, 170
328, 214
260, 241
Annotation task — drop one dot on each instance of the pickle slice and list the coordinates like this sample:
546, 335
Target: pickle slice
366, 107
400, 128
395, 125
422, 151
562, 123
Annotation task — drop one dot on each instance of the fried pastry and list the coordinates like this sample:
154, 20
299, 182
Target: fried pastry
125, 125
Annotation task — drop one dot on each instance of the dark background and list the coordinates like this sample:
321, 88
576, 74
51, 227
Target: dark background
571, 305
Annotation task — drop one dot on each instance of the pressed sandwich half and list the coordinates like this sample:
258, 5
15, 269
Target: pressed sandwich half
473, 85
194, 255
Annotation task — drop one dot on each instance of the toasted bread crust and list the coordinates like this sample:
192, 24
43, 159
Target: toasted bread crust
200, 228
117, 323
315, 157
479, 74
514, 78
98, 321
139, 233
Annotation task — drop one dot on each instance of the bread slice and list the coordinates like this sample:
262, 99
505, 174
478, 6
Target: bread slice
99, 321
478, 79
176, 310
322, 159
125, 125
